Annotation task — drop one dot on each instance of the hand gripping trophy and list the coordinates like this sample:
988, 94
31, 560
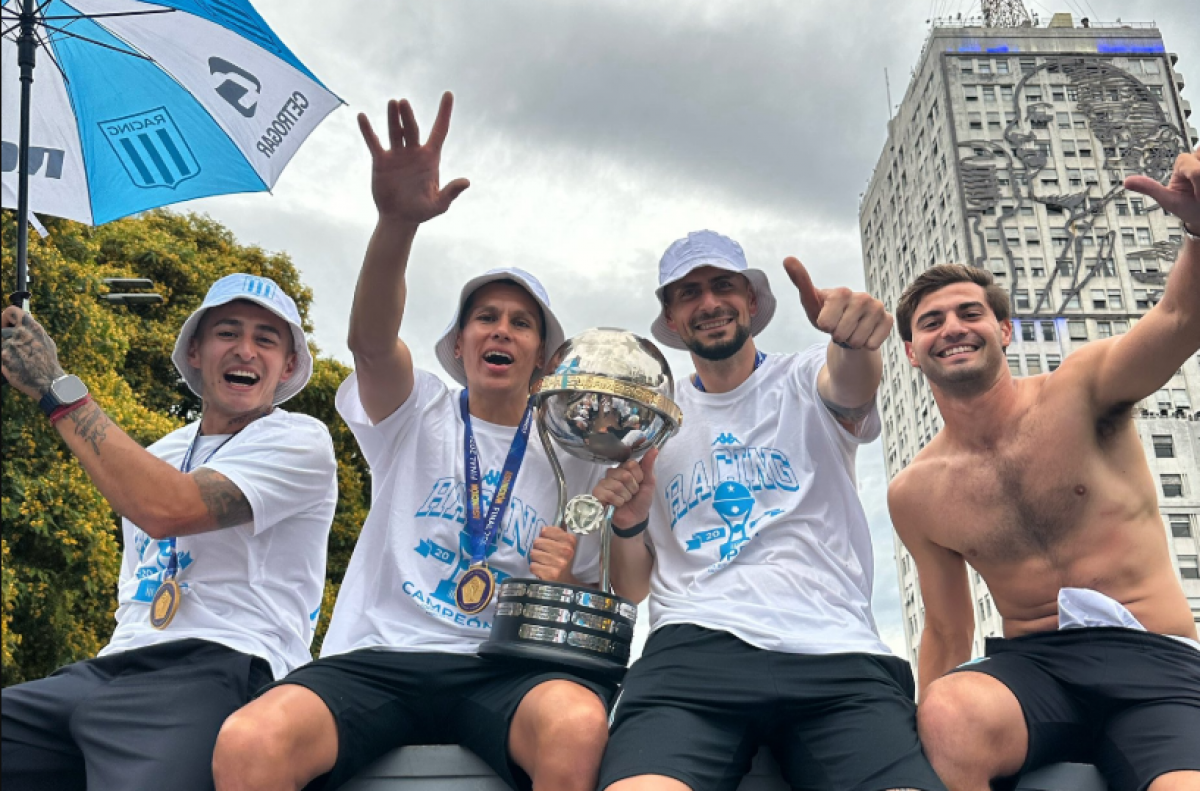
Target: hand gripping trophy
608, 400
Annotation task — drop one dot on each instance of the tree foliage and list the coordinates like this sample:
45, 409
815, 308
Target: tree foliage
61, 542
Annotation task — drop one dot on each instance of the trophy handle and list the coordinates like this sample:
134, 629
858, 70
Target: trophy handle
558, 472
606, 549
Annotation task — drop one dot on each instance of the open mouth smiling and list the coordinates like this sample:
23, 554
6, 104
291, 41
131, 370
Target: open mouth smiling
497, 357
953, 351
240, 377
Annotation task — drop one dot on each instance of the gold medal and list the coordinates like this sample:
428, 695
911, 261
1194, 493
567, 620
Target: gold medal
475, 589
165, 604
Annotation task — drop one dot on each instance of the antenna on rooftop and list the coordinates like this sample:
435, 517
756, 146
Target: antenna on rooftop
1005, 13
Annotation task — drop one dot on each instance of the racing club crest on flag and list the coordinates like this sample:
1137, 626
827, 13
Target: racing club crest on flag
151, 148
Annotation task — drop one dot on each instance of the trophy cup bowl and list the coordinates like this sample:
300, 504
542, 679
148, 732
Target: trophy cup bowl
608, 400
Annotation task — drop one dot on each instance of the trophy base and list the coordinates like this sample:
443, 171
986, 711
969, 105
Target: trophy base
562, 625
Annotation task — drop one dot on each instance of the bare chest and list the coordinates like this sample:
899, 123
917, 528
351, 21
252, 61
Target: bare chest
1027, 496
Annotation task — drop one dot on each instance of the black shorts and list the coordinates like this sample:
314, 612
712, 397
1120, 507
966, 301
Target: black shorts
383, 699
699, 703
1125, 700
143, 718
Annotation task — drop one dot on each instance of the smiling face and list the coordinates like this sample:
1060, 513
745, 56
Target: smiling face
500, 340
957, 341
711, 309
243, 351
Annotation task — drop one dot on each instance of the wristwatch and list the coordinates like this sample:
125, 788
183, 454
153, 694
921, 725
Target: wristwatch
64, 391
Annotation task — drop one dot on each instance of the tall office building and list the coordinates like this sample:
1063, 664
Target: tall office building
1008, 152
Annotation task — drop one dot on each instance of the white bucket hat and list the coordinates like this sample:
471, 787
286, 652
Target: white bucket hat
445, 345
708, 248
261, 291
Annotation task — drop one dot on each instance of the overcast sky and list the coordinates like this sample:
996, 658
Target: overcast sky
595, 133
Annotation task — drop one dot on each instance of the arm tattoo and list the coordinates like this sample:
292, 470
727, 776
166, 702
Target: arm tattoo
852, 415
224, 500
91, 424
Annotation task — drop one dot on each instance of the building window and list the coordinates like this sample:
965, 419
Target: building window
1048, 333
1021, 298
1052, 362
1164, 446
974, 120
1006, 92
1028, 331
1143, 236
1189, 569
1122, 209
1098, 300
970, 93
989, 94
983, 67
1115, 302
1103, 329
1014, 364
1033, 364
1172, 485
1141, 298
1181, 525
1077, 330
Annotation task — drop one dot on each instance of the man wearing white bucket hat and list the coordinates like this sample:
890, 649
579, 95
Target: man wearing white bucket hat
450, 518
225, 526
748, 536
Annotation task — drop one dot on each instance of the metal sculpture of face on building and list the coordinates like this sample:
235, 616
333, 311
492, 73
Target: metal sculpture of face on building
1117, 119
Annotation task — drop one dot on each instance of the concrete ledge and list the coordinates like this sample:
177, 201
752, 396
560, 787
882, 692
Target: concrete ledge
448, 767
454, 768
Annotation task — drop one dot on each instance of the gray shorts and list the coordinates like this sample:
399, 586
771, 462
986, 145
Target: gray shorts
146, 718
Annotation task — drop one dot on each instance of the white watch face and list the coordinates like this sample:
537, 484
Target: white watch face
68, 390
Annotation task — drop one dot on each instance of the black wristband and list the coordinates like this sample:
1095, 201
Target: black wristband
630, 532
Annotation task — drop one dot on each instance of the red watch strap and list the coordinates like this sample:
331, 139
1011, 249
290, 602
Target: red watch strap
63, 411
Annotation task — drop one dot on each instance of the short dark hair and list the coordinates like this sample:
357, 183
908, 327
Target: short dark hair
935, 278
507, 281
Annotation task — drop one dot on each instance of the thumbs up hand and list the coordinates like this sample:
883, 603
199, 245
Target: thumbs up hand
853, 319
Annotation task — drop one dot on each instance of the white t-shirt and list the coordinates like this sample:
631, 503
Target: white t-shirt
759, 530
398, 592
256, 587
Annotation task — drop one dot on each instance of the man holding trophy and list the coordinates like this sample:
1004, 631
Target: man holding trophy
450, 520
757, 556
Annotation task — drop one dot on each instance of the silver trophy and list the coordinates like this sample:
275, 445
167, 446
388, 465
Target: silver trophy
608, 400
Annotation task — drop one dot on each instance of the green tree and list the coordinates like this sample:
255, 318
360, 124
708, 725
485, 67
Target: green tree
61, 542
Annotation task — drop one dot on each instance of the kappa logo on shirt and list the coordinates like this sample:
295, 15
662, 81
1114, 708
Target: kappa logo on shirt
731, 480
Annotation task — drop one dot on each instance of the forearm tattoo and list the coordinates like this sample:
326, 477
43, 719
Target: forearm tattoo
91, 424
853, 415
224, 500
30, 356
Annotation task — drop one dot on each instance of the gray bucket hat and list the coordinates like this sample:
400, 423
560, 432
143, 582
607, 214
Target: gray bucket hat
708, 248
261, 291
445, 345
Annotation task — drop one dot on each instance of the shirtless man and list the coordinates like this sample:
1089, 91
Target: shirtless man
1041, 485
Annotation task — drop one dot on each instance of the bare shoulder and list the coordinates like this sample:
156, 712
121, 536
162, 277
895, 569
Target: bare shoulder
912, 485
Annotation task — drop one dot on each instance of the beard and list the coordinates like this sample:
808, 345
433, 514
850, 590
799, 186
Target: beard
968, 380
722, 350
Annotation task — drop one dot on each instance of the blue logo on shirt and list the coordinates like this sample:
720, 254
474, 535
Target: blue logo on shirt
150, 570
732, 478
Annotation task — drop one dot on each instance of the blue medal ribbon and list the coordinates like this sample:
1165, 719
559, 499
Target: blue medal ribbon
758, 360
483, 529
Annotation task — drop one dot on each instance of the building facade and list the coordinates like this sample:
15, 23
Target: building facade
1008, 151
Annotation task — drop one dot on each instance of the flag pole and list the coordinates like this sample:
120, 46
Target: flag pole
26, 59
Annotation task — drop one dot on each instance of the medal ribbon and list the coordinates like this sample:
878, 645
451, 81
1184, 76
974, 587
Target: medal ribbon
483, 529
758, 360
185, 467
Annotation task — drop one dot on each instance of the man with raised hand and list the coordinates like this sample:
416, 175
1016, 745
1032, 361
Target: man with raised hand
757, 556
225, 526
1041, 485
450, 518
